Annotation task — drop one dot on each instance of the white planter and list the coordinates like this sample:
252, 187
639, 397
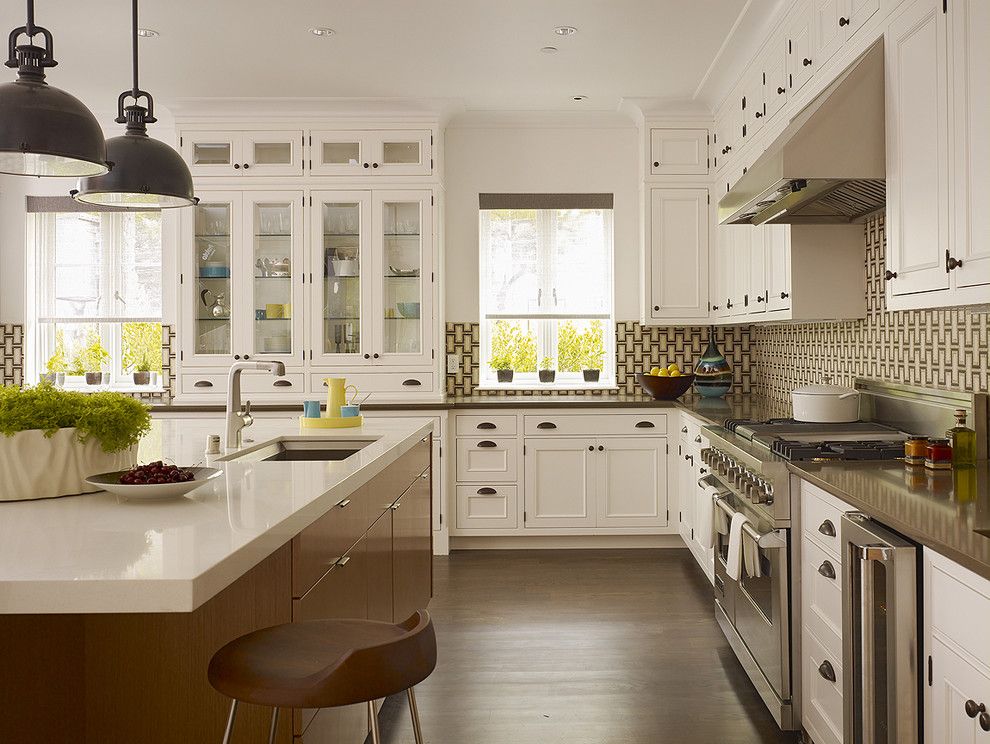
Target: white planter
35, 467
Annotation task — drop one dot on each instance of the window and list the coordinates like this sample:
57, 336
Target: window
97, 295
546, 287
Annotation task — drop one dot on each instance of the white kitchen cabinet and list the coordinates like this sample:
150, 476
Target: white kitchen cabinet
631, 482
678, 152
722, 271
677, 255
775, 71
778, 267
917, 151
755, 298
752, 105
728, 128
741, 257
371, 153
957, 696
243, 153
800, 46
686, 503
561, 482
486, 507
828, 34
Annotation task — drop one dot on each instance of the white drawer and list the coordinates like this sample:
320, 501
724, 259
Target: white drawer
482, 460
956, 599
821, 596
690, 431
821, 518
251, 383
473, 426
204, 383
486, 506
821, 712
602, 424
381, 382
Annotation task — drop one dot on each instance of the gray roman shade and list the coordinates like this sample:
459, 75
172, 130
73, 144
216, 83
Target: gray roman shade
544, 201
47, 204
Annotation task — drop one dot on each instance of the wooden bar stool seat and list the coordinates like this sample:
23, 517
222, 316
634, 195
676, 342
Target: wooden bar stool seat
325, 664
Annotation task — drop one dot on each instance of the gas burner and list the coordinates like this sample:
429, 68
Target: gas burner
841, 450
733, 424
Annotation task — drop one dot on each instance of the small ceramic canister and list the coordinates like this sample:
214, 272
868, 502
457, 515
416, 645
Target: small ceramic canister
350, 411
311, 409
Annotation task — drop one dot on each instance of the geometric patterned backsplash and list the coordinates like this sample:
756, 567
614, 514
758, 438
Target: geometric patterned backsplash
637, 348
942, 348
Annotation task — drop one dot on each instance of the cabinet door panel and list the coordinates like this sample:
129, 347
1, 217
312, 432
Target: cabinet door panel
753, 103
956, 680
340, 153
775, 92
632, 482
380, 573
800, 48
741, 252
272, 153
560, 483
756, 296
679, 253
685, 496
917, 179
721, 302
412, 549
778, 267
212, 153
402, 153
859, 12
679, 151
829, 35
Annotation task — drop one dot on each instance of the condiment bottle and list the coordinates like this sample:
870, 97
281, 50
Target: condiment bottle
963, 440
915, 451
938, 455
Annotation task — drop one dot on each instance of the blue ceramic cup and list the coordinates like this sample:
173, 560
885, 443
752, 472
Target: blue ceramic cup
311, 409
350, 411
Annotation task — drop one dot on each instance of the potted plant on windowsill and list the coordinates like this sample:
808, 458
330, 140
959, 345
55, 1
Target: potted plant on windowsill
142, 372
91, 360
547, 371
592, 352
57, 364
51, 440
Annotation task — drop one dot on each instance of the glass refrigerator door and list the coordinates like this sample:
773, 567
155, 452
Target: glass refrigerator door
212, 287
273, 224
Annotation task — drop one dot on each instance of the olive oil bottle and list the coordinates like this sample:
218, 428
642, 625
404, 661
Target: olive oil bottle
963, 440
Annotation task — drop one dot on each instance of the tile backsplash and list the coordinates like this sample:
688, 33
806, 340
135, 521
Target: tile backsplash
944, 348
637, 347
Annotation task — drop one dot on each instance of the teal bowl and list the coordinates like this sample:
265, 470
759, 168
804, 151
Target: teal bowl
408, 309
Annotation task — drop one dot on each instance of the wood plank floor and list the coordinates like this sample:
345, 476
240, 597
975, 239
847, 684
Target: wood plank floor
580, 647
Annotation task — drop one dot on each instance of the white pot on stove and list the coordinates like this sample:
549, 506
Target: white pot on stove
825, 404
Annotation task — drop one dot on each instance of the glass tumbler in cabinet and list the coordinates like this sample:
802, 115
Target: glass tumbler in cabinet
273, 263
343, 226
212, 267
402, 224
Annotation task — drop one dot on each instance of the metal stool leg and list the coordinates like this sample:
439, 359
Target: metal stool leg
271, 734
414, 712
376, 734
230, 722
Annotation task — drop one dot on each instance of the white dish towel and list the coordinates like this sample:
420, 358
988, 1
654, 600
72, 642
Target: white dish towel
734, 563
704, 526
751, 558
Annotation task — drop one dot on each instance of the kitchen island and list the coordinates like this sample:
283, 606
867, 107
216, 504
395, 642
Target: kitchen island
110, 609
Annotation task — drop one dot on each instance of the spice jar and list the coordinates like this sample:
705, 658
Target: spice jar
938, 455
915, 451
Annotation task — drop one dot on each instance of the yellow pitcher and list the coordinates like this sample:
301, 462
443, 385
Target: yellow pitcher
337, 395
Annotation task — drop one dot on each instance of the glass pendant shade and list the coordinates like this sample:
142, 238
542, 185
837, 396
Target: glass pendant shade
45, 131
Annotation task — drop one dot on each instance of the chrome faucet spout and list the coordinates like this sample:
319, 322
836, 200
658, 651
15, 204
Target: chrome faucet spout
236, 417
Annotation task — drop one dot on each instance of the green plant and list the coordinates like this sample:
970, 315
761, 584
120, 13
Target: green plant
116, 421
512, 348
580, 349
58, 361
92, 357
141, 343
593, 346
546, 363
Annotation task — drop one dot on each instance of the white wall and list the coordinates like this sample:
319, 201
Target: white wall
539, 160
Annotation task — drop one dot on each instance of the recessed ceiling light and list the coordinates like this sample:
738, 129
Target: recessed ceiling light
148, 33
564, 30
549, 50
322, 31
579, 98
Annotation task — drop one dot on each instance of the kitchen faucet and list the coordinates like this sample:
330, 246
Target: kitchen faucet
237, 417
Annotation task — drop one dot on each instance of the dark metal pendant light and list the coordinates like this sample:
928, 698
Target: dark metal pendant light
44, 131
147, 173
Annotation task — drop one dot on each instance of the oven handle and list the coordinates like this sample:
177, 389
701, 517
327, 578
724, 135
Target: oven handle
767, 540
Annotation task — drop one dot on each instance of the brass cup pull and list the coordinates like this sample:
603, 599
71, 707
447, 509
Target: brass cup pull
486, 425
546, 425
827, 528
645, 425
827, 570
487, 443
826, 670
486, 491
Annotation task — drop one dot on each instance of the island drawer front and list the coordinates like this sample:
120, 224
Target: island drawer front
316, 548
483, 459
473, 426
490, 506
619, 424
380, 382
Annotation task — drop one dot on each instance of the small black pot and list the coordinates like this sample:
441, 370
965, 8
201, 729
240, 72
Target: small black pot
141, 378
94, 378
504, 375
548, 375
592, 375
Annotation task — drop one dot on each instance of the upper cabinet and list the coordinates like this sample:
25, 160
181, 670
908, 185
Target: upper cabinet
678, 152
676, 275
248, 153
800, 47
371, 153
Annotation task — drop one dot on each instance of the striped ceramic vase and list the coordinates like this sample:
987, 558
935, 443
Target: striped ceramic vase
712, 374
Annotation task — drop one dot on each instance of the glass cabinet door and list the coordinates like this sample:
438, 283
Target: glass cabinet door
403, 227
341, 221
341, 153
212, 153
403, 153
272, 153
273, 223
211, 286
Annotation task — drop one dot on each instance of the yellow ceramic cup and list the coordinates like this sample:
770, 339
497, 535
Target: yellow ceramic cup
273, 310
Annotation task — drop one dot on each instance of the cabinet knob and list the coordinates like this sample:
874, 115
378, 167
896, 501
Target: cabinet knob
728, 304
237, 166
683, 430
237, 356
728, 148
759, 114
656, 308
367, 165
973, 708
888, 275
246, 357
600, 448
843, 22
951, 263
656, 163
375, 355
784, 295
759, 298
374, 165
714, 307
697, 439
826, 670
591, 448
246, 166
367, 356
781, 91
806, 62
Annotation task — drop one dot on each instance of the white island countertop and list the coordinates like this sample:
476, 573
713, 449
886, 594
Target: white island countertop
98, 553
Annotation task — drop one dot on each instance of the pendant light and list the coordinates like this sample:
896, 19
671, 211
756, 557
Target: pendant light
147, 173
44, 131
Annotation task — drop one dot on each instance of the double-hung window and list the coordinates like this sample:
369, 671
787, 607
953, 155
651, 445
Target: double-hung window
95, 304
546, 291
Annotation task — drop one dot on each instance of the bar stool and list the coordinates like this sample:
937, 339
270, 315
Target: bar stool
325, 664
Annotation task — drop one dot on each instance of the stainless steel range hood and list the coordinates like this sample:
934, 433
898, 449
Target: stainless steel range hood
828, 165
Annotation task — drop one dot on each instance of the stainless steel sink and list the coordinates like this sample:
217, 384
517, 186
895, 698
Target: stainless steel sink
299, 450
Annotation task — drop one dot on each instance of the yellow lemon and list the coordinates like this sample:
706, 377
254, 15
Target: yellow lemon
673, 367
655, 371
675, 373
664, 372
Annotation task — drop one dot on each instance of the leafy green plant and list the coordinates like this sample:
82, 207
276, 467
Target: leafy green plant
141, 343
143, 366
546, 363
92, 357
512, 348
578, 350
593, 346
116, 421
58, 361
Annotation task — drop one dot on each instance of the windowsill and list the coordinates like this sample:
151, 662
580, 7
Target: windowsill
123, 387
547, 386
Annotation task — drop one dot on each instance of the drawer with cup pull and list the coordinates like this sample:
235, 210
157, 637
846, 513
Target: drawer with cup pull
204, 383
821, 514
379, 382
486, 506
601, 424
821, 596
821, 679
486, 459
252, 383
472, 425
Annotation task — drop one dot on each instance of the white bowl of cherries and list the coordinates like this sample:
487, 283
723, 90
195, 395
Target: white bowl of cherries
156, 480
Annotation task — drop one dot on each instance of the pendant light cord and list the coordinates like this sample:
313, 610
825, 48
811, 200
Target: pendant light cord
29, 26
135, 91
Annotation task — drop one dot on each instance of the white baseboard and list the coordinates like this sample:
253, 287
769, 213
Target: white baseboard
562, 542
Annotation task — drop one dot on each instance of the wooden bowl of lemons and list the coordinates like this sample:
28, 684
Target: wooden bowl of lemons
665, 383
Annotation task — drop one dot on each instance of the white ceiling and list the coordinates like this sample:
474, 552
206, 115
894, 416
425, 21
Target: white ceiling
485, 54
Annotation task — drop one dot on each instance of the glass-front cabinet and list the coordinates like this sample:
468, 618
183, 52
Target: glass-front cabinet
248, 153
242, 278
375, 301
372, 152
